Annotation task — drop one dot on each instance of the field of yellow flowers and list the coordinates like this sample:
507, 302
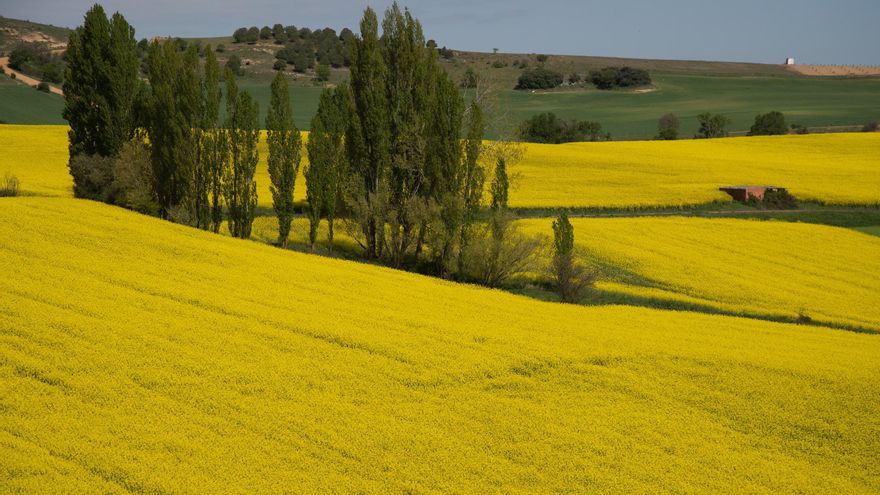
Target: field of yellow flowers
760, 268
832, 168
142, 356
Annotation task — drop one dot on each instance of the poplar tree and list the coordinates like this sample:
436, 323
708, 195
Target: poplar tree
240, 189
368, 135
473, 178
173, 116
213, 143
101, 85
327, 170
284, 155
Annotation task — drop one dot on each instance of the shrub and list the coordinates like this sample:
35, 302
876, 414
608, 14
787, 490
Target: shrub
43, 86
619, 77
279, 65
12, 75
234, 64
570, 278
871, 127
799, 129
9, 186
539, 78
667, 127
322, 73
470, 79
769, 124
548, 128
712, 126
92, 177
574, 78
220, 48
133, 178
446, 53
497, 64
498, 254
542, 58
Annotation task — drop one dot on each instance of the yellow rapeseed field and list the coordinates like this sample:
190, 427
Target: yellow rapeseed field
761, 268
141, 356
834, 168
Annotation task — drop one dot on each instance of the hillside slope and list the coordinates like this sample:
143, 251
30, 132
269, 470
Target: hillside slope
141, 356
765, 269
833, 168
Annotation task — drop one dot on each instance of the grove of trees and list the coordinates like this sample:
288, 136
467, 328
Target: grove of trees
395, 154
548, 128
619, 77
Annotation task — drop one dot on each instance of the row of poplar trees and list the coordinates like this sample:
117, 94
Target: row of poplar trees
394, 153
397, 151
195, 164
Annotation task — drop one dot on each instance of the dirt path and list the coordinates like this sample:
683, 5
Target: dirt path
835, 70
26, 79
684, 213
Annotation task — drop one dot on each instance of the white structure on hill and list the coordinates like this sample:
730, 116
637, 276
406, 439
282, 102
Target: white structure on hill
789, 61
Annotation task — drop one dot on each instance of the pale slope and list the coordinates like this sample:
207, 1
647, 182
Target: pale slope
761, 268
142, 356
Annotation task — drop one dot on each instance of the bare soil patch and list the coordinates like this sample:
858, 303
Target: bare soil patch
835, 70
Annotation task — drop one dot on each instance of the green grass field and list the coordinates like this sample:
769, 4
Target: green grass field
805, 101
627, 115
20, 104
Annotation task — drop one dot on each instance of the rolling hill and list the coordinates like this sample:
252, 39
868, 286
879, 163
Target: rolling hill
831, 168
771, 270
141, 356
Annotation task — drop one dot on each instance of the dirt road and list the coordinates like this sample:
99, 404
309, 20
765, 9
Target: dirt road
24, 78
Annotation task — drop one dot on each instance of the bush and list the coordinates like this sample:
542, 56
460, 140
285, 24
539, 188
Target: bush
799, 129
619, 77
497, 64
470, 79
9, 186
712, 126
133, 178
446, 53
769, 124
871, 127
234, 64
322, 73
220, 48
539, 78
43, 86
667, 127
574, 78
92, 177
570, 278
279, 65
542, 58
495, 257
548, 128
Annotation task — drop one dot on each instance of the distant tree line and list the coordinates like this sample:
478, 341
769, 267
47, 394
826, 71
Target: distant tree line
548, 128
302, 48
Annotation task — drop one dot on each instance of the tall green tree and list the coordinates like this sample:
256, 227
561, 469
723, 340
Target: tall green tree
327, 171
284, 155
368, 139
101, 85
243, 134
213, 142
570, 277
473, 178
207, 144
174, 114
